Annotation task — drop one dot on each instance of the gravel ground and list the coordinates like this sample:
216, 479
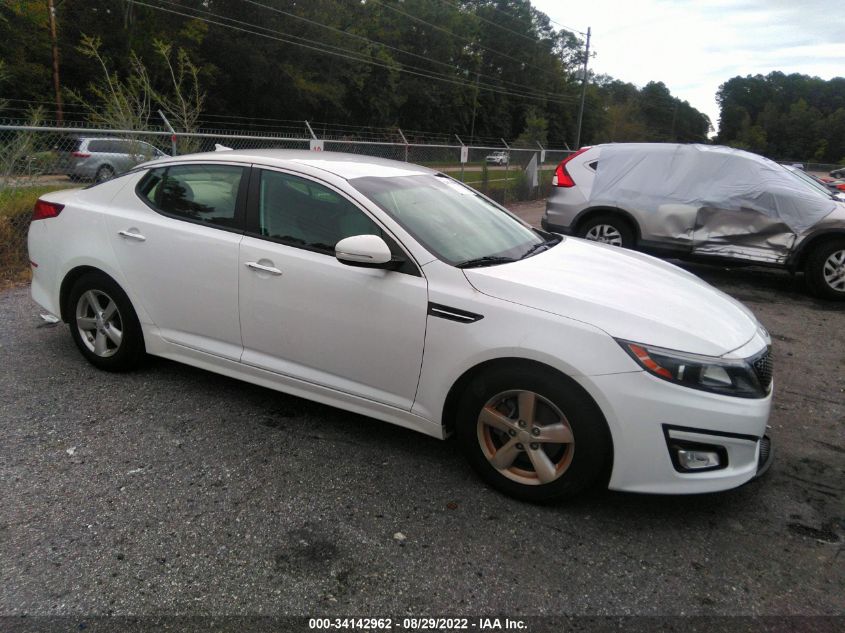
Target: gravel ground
172, 490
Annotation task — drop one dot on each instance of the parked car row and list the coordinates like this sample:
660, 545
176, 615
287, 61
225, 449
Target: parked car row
394, 291
827, 185
714, 204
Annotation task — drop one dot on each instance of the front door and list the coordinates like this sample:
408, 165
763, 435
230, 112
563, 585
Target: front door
743, 234
306, 315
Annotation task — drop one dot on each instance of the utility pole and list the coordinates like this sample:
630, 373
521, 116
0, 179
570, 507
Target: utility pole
474, 106
674, 119
51, 10
583, 92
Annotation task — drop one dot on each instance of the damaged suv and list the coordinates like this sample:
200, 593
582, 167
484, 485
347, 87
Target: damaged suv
708, 203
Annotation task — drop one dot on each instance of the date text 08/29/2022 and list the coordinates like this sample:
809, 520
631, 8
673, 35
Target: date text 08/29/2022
418, 624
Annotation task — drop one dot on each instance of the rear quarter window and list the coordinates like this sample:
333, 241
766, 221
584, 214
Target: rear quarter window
207, 194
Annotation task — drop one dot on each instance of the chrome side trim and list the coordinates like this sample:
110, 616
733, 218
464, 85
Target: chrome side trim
453, 314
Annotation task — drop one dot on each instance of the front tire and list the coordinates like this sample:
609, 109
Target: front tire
825, 271
103, 323
532, 434
608, 229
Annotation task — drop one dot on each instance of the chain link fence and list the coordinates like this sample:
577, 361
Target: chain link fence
37, 159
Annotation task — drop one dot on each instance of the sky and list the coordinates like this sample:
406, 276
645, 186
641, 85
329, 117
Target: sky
694, 46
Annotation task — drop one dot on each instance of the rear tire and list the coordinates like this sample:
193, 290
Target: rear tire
533, 434
608, 229
104, 173
825, 270
103, 323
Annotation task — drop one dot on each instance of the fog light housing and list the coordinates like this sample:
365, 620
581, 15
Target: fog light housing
697, 460
692, 457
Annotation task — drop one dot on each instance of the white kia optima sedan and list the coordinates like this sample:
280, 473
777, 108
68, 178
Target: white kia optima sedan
393, 291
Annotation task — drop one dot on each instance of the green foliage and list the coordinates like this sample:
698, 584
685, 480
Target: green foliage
362, 63
19, 162
119, 102
790, 117
647, 114
15, 212
536, 129
183, 102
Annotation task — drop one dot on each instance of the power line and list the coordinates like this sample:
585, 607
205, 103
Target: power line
322, 48
420, 71
498, 26
388, 46
460, 37
563, 26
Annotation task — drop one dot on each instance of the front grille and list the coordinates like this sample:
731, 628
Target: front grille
763, 368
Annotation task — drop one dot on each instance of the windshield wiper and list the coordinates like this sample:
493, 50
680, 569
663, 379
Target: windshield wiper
487, 260
536, 247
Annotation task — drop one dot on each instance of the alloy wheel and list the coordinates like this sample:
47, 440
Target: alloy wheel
525, 437
99, 323
834, 271
606, 234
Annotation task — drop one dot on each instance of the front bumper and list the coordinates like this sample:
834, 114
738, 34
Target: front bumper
644, 413
554, 228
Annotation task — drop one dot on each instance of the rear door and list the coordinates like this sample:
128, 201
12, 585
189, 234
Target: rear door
176, 237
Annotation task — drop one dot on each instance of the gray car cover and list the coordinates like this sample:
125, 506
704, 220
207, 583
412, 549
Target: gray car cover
648, 175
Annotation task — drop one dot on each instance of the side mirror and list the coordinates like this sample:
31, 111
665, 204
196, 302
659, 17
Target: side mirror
369, 251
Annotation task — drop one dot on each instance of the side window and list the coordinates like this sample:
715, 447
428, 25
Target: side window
594, 165
145, 150
99, 146
202, 193
300, 212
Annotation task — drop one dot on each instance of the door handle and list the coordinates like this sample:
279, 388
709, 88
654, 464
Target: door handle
132, 235
262, 268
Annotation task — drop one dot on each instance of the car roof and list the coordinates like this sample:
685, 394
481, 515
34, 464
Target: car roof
341, 164
109, 138
690, 148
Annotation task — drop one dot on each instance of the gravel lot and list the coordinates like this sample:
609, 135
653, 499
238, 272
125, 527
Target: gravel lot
176, 491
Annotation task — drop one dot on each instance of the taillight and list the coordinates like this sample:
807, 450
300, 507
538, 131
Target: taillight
81, 155
562, 177
841, 187
44, 210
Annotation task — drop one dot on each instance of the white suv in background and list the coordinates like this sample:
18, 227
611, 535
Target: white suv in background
497, 158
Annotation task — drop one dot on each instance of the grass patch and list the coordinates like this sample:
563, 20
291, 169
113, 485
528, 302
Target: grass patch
513, 181
498, 178
15, 213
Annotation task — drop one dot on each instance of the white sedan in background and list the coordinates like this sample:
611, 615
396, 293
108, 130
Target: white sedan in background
393, 291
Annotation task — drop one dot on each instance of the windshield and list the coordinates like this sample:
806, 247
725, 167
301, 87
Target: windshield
452, 221
809, 181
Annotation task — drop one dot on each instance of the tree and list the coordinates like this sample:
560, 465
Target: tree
535, 130
790, 117
119, 102
184, 99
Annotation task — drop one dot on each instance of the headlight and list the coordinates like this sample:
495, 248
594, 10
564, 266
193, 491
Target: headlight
729, 377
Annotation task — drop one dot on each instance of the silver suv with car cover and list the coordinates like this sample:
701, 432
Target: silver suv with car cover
709, 203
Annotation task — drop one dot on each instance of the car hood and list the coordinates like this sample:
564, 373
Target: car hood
627, 294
